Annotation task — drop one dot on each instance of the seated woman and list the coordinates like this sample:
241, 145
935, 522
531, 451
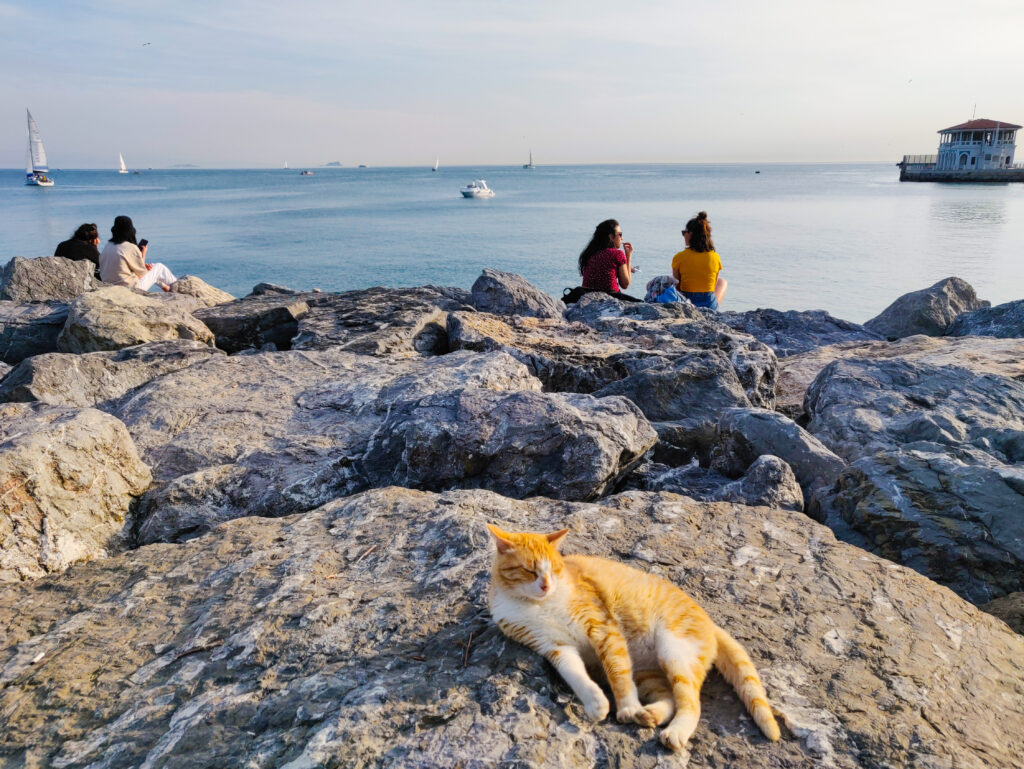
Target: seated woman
123, 262
697, 267
605, 263
82, 246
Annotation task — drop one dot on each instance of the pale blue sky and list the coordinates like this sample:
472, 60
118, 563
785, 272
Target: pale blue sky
253, 83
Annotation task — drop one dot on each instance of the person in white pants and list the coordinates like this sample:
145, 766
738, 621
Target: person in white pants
123, 261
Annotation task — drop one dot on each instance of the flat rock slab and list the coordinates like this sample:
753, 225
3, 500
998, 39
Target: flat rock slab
66, 379
358, 635
28, 329
46, 278
254, 322
505, 293
382, 321
1003, 320
794, 332
67, 478
984, 356
207, 295
928, 311
115, 317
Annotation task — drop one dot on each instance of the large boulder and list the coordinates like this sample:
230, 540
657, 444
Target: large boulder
358, 635
91, 379
936, 479
255, 322
505, 293
46, 278
115, 317
928, 311
67, 479
794, 332
1003, 320
382, 321
28, 329
207, 295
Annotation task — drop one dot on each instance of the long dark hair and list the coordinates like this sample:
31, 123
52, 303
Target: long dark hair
86, 232
123, 230
602, 239
700, 233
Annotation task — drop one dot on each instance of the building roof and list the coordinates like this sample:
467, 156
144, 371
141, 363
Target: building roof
981, 124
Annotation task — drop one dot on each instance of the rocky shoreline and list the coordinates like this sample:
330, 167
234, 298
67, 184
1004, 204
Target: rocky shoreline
251, 531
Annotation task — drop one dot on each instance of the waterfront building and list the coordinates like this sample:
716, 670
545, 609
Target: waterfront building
979, 150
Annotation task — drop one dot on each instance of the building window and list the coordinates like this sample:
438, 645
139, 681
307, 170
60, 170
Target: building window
988, 157
972, 161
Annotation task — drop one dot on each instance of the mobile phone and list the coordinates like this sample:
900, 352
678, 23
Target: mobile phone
143, 242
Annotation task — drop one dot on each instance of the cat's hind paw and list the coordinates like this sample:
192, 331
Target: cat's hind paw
637, 714
675, 737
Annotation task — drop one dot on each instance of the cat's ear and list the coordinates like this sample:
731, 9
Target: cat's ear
501, 538
556, 538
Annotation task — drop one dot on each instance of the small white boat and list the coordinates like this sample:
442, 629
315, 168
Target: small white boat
36, 167
436, 161
477, 189
123, 169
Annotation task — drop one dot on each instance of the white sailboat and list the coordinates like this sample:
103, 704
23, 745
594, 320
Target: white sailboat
530, 165
123, 170
436, 161
36, 167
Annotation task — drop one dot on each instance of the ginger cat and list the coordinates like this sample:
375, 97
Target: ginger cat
653, 641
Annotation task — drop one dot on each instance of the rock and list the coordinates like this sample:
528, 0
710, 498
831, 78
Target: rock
595, 308
4, 370
382, 321
520, 444
358, 635
1003, 320
90, 379
770, 482
504, 293
30, 328
207, 295
746, 434
793, 332
67, 478
255, 321
46, 279
261, 289
115, 317
936, 479
1010, 609
983, 356
928, 311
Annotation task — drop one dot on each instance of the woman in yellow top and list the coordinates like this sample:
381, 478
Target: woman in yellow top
696, 269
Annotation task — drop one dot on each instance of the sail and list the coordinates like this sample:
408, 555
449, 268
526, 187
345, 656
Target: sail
35, 146
120, 157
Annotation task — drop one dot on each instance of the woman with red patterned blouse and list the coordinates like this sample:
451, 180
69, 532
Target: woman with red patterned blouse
605, 263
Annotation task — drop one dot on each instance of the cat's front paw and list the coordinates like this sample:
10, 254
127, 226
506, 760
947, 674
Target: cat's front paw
596, 706
637, 714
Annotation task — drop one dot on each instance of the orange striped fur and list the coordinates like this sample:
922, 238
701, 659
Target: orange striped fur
653, 642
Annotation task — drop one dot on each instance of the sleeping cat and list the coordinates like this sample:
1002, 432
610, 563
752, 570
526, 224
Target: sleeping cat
653, 641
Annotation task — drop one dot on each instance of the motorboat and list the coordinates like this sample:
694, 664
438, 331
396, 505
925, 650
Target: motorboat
477, 189
306, 173
36, 167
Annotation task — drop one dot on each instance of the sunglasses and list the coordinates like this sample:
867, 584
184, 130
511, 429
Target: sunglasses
617, 234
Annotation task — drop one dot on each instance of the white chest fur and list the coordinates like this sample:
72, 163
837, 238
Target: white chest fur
549, 622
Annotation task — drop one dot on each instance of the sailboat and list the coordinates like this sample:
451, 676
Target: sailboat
35, 166
530, 165
436, 161
123, 169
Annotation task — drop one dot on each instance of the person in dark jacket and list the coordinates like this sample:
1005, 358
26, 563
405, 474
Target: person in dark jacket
82, 246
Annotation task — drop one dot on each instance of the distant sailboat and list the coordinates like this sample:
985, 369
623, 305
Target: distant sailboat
123, 169
436, 161
36, 167
286, 165
530, 165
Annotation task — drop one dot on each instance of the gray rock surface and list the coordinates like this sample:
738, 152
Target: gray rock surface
768, 481
1002, 357
90, 379
208, 295
746, 434
1003, 320
1010, 609
67, 478
936, 479
382, 321
30, 328
260, 289
4, 370
928, 311
793, 332
504, 293
114, 317
254, 322
358, 635
46, 278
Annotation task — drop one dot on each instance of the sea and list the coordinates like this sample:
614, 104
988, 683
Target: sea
846, 238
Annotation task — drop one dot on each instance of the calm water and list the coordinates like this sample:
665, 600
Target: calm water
845, 238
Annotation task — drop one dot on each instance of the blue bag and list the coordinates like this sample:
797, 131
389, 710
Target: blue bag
670, 294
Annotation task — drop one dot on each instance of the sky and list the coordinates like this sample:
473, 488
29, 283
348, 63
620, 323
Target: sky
254, 83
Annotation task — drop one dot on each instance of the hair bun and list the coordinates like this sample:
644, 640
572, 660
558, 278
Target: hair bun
702, 215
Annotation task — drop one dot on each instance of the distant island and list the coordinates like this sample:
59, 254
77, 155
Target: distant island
333, 164
184, 165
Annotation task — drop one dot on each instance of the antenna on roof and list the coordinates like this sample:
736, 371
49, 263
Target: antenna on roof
974, 110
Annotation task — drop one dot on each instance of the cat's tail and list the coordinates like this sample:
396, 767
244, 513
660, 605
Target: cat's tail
734, 663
